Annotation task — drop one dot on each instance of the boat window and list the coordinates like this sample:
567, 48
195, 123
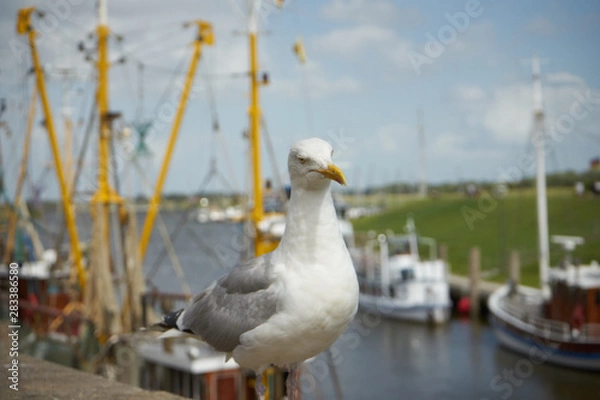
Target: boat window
407, 274
399, 247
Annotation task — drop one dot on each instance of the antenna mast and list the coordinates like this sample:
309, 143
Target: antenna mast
539, 137
422, 161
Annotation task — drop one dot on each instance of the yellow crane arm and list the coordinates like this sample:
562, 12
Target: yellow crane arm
24, 27
205, 36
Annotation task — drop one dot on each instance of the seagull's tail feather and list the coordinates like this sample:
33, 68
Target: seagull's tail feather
169, 320
168, 327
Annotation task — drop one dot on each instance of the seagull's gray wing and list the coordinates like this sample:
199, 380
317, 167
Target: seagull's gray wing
236, 303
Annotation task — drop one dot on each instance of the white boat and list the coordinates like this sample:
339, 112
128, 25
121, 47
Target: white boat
559, 323
396, 283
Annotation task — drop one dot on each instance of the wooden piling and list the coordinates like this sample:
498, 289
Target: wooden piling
474, 268
443, 252
443, 255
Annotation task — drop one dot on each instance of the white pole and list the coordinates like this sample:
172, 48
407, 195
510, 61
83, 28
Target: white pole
413, 243
384, 264
542, 201
422, 161
253, 18
102, 13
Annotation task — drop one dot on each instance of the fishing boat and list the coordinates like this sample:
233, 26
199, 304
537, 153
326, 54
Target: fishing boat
395, 282
560, 322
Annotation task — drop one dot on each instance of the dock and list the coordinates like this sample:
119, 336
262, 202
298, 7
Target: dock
460, 286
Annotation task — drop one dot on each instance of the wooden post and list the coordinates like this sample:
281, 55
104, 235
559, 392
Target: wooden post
474, 268
443, 255
514, 270
443, 252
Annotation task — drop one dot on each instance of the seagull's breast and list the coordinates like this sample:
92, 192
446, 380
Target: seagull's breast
320, 300
323, 296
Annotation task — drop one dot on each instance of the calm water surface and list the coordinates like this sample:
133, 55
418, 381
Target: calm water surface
378, 358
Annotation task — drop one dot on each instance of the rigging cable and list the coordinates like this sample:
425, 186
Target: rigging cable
216, 127
273, 159
78, 168
150, 42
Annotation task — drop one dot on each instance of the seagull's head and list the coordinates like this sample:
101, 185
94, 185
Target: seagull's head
310, 165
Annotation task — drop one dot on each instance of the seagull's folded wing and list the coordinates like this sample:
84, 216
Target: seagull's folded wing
236, 303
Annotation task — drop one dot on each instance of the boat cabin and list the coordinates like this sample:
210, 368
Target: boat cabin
575, 295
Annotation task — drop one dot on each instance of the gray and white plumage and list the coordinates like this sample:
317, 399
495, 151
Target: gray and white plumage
236, 303
293, 303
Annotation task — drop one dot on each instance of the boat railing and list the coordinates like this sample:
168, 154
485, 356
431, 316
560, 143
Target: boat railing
590, 332
527, 313
550, 328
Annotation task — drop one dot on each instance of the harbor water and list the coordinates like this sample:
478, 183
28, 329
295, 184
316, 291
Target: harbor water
378, 358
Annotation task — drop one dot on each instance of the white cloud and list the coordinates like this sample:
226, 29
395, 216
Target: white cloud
356, 42
455, 147
508, 115
507, 112
318, 84
388, 138
564, 78
469, 93
475, 39
362, 11
351, 42
541, 26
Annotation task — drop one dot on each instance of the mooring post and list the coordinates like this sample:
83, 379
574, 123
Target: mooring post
514, 271
443, 252
474, 267
443, 255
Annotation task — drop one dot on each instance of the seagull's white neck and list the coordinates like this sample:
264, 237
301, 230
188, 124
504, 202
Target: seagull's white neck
312, 223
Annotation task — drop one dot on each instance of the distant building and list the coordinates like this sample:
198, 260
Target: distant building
579, 188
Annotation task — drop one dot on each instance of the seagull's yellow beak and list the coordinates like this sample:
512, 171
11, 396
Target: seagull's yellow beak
334, 173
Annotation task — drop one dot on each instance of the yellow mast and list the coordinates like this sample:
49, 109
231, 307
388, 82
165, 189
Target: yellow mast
254, 113
68, 151
100, 298
204, 36
24, 26
104, 194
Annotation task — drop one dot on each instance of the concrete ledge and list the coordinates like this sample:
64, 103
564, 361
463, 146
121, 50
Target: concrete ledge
39, 379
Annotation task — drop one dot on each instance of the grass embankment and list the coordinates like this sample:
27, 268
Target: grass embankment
496, 227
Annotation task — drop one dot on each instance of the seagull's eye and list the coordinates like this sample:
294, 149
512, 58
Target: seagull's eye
331, 152
302, 159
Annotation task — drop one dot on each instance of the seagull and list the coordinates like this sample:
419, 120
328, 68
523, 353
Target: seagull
291, 304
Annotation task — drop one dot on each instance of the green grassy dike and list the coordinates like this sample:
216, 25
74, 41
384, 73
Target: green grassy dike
496, 226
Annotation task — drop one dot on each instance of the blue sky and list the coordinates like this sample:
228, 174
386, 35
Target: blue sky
358, 89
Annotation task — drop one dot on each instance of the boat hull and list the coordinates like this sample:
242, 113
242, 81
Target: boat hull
393, 308
522, 338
